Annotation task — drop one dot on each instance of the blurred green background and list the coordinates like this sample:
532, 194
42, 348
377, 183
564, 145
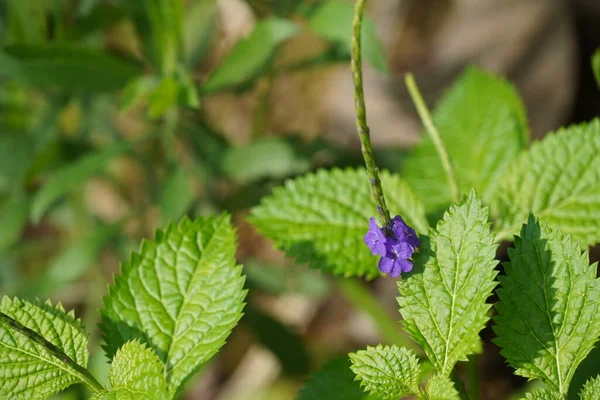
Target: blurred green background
119, 116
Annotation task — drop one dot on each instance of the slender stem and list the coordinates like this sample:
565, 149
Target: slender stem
389, 329
431, 129
473, 377
77, 370
361, 116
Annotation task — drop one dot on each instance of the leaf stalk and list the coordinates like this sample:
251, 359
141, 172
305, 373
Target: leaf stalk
431, 129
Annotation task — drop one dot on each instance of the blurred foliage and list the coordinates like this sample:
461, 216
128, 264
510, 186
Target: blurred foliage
104, 138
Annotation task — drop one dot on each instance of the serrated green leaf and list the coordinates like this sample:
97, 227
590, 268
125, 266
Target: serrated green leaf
71, 176
249, 55
591, 389
322, 218
66, 67
29, 370
334, 381
332, 20
596, 66
182, 294
548, 315
483, 124
440, 387
387, 372
443, 299
558, 180
136, 373
541, 395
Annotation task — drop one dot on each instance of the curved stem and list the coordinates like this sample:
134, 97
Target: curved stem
431, 129
77, 370
361, 116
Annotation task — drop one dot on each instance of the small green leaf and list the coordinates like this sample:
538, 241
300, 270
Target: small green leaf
14, 213
199, 27
558, 180
279, 279
443, 299
322, 218
74, 261
332, 20
249, 55
248, 164
387, 372
440, 387
138, 89
69, 177
596, 66
65, 66
483, 124
136, 373
334, 381
16, 154
176, 197
542, 394
591, 389
182, 294
29, 370
548, 315
163, 97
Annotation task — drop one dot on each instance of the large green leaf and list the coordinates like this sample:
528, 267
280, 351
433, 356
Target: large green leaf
332, 20
549, 311
66, 67
182, 294
249, 55
28, 369
136, 373
483, 124
443, 299
558, 180
334, 381
322, 218
69, 177
387, 372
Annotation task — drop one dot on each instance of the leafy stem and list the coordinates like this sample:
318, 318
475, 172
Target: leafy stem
431, 129
361, 115
75, 369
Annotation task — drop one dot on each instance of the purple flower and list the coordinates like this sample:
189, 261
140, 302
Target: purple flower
394, 267
404, 232
375, 238
395, 251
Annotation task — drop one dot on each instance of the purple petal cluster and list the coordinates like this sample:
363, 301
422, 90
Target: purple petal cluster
395, 251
